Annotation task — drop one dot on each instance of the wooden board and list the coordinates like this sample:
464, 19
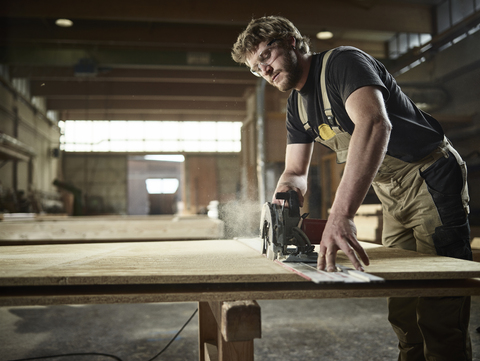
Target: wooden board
398, 264
188, 262
475, 243
137, 263
369, 223
109, 228
205, 292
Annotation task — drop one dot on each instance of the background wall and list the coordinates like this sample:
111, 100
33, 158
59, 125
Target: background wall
30, 162
455, 73
101, 178
107, 179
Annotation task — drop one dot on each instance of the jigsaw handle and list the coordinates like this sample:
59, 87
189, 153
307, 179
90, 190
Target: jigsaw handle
291, 197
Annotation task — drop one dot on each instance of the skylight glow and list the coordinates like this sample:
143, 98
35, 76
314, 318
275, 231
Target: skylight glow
150, 136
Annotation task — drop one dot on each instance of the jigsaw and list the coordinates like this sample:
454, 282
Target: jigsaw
286, 235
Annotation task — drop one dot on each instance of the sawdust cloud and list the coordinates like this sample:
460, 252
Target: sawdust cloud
242, 218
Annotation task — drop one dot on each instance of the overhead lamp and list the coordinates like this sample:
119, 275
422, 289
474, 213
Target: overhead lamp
324, 35
64, 23
165, 157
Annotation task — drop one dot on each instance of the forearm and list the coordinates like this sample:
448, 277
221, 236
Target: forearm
297, 163
367, 150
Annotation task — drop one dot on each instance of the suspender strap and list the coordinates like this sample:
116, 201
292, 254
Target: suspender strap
304, 118
326, 103
327, 107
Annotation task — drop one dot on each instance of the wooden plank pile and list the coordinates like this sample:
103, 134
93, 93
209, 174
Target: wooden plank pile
42, 230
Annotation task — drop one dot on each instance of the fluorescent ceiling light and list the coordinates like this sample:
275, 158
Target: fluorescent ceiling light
166, 158
64, 23
324, 35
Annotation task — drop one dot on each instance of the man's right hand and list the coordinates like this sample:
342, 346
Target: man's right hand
285, 188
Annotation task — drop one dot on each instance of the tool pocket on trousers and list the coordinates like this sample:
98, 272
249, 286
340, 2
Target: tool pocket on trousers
445, 182
453, 241
444, 176
450, 207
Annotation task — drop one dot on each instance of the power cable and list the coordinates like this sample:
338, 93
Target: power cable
174, 337
108, 355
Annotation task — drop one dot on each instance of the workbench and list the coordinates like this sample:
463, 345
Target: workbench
224, 276
51, 229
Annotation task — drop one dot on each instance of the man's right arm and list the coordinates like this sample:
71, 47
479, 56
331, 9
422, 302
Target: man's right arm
297, 164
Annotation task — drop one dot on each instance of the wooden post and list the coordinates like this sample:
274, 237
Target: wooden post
227, 330
207, 329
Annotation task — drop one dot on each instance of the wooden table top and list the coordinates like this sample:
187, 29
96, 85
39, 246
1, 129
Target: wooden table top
205, 270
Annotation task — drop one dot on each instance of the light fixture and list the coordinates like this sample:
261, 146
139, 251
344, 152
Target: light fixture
324, 35
64, 23
165, 157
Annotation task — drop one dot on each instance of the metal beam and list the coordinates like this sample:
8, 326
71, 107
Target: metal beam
115, 114
240, 76
69, 56
99, 88
169, 37
382, 15
179, 105
134, 35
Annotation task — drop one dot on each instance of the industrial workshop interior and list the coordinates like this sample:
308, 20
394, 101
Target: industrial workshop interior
137, 161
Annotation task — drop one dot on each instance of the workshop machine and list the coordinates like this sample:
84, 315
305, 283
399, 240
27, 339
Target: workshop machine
287, 235
289, 239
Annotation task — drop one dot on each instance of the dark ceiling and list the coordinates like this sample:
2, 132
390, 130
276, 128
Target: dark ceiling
170, 60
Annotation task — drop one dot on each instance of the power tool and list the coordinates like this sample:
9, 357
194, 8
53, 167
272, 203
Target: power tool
288, 239
286, 235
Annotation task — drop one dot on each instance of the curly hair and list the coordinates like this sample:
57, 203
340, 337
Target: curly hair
263, 29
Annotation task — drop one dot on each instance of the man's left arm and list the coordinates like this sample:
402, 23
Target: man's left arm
368, 145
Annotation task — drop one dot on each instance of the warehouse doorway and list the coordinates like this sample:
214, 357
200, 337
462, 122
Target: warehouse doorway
155, 184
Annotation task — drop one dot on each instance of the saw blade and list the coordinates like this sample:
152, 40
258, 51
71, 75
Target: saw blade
269, 225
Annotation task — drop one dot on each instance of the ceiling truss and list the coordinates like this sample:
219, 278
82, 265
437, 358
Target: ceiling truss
156, 60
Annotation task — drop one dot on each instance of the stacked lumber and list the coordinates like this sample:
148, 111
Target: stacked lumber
42, 230
369, 223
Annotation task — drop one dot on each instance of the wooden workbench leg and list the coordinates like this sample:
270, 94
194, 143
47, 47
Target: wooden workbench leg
234, 350
207, 330
227, 330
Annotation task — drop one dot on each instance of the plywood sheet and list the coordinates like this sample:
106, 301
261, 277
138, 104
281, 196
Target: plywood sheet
104, 228
398, 264
189, 262
136, 263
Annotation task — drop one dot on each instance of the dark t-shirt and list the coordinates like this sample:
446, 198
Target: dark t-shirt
414, 133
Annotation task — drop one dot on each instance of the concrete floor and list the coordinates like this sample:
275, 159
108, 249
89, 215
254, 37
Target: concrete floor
300, 330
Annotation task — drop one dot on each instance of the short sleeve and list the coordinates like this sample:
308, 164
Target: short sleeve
352, 69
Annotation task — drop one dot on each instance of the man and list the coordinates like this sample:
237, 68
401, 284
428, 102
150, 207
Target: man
387, 142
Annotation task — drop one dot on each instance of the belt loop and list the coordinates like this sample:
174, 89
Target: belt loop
444, 148
445, 152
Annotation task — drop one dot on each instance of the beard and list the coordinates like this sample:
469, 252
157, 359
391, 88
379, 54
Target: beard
292, 71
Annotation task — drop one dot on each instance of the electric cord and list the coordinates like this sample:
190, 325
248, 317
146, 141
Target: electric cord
174, 337
108, 355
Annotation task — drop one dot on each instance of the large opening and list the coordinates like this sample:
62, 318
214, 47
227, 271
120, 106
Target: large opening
155, 184
150, 136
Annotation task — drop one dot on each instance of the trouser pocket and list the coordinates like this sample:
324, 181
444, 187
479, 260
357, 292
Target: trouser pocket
453, 241
445, 182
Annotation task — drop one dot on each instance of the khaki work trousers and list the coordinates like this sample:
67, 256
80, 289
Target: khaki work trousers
427, 213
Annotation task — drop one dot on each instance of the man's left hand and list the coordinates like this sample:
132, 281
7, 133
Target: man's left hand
340, 234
